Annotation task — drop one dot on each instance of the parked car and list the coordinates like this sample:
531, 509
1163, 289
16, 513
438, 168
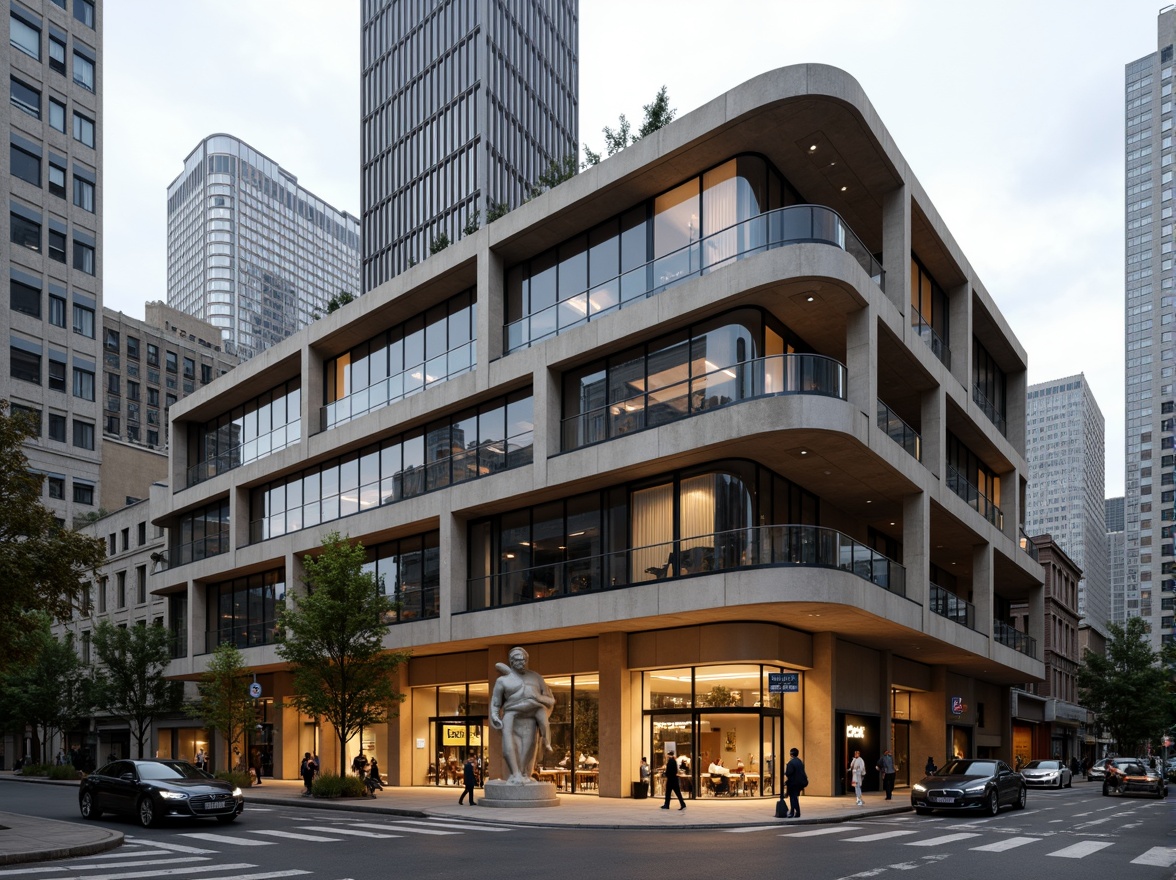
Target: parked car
1134, 776
151, 790
1047, 774
969, 784
1097, 771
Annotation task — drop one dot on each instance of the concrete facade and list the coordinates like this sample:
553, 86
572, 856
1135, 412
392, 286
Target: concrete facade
847, 512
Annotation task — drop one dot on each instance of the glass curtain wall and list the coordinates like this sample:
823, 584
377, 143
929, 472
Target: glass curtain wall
243, 611
409, 571
265, 425
449, 724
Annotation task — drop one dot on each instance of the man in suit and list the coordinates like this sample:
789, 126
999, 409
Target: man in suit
673, 786
795, 781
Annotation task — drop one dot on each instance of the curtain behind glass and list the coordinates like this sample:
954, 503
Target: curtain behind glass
653, 532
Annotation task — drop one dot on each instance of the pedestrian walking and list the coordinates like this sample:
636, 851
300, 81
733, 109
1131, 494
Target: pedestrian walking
469, 778
673, 784
795, 781
306, 771
930, 769
886, 768
373, 780
857, 770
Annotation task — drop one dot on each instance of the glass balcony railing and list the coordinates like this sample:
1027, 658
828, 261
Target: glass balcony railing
947, 604
250, 450
1014, 638
750, 380
795, 224
934, 341
775, 545
201, 548
900, 432
245, 634
959, 484
990, 409
1029, 547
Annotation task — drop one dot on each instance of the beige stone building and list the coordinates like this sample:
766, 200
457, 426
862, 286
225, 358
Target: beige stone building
725, 430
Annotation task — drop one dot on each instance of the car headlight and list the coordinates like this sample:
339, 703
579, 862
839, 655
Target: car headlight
919, 787
173, 795
236, 792
975, 788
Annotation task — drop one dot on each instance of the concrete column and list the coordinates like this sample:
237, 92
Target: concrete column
491, 308
197, 621
916, 550
820, 738
1016, 387
545, 388
929, 723
400, 740
491, 737
616, 722
452, 576
982, 587
933, 430
886, 701
1036, 612
896, 248
861, 358
312, 392
959, 333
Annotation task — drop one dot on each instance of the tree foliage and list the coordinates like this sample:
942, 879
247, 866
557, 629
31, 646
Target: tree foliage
49, 692
333, 640
471, 224
658, 113
42, 565
495, 210
342, 298
130, 684
1128, 688
439, 243
225, 704
557, 171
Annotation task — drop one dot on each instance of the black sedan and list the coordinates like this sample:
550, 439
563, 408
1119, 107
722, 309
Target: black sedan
151, 790
969, 784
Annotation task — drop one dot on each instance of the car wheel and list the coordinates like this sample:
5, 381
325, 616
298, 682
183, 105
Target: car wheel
1022, 797
146, 812
224, 820
923, 811
89, 806
992, 803
1070, 784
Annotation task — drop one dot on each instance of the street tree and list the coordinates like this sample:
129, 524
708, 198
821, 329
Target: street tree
658, 113
42, 564
225, 704
332, 637
1128, 688
49, 692
130, 683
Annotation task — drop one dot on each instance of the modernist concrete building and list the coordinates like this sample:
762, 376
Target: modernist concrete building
251, 251
1065, 443
1150, 304
465, 104
53, 259
699, 428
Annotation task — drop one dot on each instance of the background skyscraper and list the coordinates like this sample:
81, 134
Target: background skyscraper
249, 250
465, 104
1150, 312
53, 260
1065, 445
1114, 509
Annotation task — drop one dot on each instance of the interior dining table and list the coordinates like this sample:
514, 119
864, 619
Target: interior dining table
557, 775
586, 779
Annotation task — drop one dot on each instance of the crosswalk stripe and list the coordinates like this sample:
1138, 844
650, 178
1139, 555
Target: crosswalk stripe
331, 829
268, 875
1160, 856
175, 872
173, 847
406, 828
454, 823
225, 838
885, 835
819, 831
939, 841
137, 863
749, 829
1002, 845
294, 835
1080, 850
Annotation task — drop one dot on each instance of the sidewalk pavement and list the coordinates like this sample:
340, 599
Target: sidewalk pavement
28, 838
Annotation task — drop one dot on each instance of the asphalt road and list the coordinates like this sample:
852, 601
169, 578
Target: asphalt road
1074, 834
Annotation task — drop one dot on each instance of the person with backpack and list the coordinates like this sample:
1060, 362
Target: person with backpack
795, 781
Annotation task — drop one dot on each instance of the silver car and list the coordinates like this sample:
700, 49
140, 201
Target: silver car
1047, 774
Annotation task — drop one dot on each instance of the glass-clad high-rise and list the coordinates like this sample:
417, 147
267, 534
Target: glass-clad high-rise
465, 104
1149, 588
249, 250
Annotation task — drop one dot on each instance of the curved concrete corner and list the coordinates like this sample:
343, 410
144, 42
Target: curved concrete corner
32, 839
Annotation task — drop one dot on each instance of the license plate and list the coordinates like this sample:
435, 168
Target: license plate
941, 800
215, 805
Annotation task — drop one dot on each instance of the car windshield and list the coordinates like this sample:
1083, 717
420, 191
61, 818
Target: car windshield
170, 770
962, 767
1042, 765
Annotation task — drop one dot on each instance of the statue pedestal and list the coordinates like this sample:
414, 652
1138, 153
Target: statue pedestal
500, 793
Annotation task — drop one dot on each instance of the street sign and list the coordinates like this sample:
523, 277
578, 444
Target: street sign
255, 690
783, 682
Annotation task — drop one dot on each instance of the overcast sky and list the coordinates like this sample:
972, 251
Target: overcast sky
1010, 112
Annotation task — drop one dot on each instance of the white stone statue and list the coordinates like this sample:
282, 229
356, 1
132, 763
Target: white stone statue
520, 707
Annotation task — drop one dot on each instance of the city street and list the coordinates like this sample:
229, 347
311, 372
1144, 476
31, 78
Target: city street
1072, 833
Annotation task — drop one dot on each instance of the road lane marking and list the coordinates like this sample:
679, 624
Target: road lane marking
173, 872
1080, 850
294, 835
225, 838
818, 831
1002, 845
465, 826
407, 828
1160, 856
885, 835
331, 829
173, 847
939, 841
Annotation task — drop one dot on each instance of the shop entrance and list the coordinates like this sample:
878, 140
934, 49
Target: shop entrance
455, 739
261, 750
